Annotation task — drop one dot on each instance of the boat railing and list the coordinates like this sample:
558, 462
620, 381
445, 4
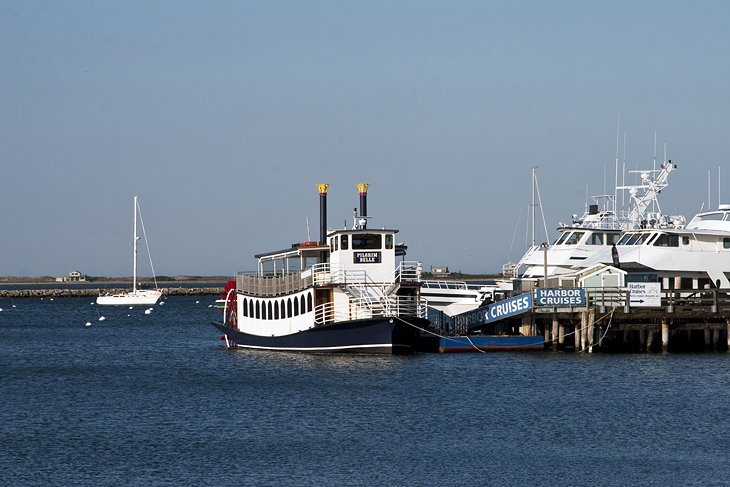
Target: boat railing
408, 270
453, 285
273, 285
357, 309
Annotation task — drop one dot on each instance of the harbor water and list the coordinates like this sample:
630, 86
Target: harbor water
155, 399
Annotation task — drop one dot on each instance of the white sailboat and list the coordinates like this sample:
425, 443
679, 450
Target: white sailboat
135, 297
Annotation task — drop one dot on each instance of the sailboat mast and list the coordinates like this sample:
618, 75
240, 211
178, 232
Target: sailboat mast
532, 204
134, 248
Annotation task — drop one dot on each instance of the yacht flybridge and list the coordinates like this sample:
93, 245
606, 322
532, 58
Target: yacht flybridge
600, 227
694, 257
345, 292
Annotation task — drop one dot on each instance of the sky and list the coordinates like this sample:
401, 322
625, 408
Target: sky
223, 115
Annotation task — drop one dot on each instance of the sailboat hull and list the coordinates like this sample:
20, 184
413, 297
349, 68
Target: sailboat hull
132, 298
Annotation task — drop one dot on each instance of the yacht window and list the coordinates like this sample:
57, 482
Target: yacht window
574, 238
561, 238
612, 238
367, 241
685, 240
653, 237
624, 240
665, 240
713, 217
337, 242
389, 241
642, 238
634, 238
726, 243
345, 243
595, 239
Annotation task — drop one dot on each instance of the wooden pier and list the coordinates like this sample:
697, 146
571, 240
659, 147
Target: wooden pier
685, 321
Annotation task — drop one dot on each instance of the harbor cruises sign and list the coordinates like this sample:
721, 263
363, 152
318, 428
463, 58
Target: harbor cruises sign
644, 294
560, 297
366, 258
495, 311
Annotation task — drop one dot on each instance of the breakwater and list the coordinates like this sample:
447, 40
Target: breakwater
85, 292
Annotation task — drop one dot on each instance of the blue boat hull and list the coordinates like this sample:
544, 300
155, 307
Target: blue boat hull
374, 335
485, 343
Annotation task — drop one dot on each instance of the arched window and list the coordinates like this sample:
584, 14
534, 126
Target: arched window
258, 310
302, 305
245, 307
271, 317
263, 310
289, 313
283, 309
276, 310
309, 302
250, 308
296, 306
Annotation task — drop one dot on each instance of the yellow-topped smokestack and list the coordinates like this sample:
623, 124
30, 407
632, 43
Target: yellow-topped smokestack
363, 188
322, 188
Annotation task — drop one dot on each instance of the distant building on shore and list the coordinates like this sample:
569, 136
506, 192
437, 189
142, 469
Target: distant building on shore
73, 276
440, 271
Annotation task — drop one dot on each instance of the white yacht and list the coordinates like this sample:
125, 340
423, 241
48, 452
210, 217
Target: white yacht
694, 257
600, 227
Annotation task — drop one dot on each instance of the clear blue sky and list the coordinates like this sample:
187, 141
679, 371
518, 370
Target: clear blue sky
223, 115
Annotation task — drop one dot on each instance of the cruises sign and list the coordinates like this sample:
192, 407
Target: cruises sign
560, 297
496, 311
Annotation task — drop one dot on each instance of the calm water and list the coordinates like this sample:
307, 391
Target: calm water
156, 400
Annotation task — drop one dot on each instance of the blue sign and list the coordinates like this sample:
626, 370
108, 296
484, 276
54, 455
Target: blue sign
560, 297
496, 311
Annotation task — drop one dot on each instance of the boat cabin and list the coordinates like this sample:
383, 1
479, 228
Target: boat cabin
366, 251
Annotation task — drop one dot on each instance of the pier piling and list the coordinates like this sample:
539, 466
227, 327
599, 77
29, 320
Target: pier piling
665, 336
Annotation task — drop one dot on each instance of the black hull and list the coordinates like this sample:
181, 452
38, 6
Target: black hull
374, 335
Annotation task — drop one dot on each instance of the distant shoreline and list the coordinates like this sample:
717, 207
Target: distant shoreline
92, 280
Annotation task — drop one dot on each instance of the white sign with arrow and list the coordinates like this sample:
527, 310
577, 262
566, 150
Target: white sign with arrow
644, 294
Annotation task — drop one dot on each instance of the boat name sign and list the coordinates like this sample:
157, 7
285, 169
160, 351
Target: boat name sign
560, 297
366, 258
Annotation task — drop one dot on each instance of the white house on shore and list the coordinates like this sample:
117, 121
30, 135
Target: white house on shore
73, 276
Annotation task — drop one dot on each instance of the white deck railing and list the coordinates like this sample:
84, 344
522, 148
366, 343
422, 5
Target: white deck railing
356, 309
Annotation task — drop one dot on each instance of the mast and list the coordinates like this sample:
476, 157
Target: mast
134, 247
533, 206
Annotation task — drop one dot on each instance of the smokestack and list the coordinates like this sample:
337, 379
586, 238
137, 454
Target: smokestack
322, 212
363, 188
